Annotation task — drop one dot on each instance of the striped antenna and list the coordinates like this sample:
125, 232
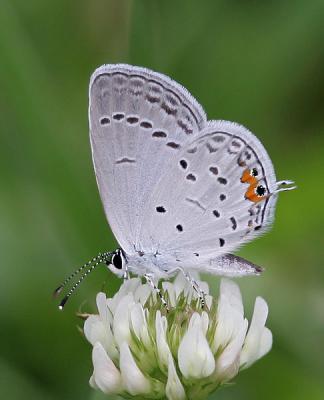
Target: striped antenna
90, 265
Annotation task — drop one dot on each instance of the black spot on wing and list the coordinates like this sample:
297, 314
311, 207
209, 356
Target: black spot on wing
159, 134
132, 120
213, 170
118, 116
222, 181
234, 223
146, 124
191, 177
125, 160
173, 145
183, 164
104, 121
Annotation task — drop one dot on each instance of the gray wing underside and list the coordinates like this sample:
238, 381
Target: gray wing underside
206, 211
138, 119
153, 150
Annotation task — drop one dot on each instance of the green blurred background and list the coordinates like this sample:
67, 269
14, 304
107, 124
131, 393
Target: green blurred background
258, 63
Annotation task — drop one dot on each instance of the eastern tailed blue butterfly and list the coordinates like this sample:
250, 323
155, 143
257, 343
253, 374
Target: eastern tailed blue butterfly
180, 192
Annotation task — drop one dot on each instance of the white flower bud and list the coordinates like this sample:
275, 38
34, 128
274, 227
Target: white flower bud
229, 314
121, 319
97, 327
174, 389
105, 375
138, 323
133, 379
258, 340
163, 351
195, 357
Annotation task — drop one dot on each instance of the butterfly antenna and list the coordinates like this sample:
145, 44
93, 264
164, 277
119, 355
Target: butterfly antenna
95, 262
58, 290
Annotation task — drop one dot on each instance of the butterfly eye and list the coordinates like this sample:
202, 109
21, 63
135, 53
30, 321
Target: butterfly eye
254, 172
117, 260
260, 190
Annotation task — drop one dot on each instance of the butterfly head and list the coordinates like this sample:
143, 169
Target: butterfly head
117, 263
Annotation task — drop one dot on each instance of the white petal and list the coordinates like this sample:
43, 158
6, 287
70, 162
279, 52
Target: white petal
174, 389
139, 324
137, 319
204, 322
195, 320
169, 287
194, 355
163, 350
92, 382
104, 312
230, 317
93, 329
142, 293
180, 284
129, 286
231, 291
252, 345
121, 319
209, 301
133, 379
105, 375
203, 286
96, 331
265, 342
228, 362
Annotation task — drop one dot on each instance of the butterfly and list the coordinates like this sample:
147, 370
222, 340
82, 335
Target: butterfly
180, 192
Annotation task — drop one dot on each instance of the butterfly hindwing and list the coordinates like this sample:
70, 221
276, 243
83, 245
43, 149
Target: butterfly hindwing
200, 209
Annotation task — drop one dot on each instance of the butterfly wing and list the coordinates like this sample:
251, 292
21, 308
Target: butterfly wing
139, 119
203, 208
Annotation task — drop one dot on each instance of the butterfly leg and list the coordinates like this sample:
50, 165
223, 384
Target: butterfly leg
150, 281
201, 294
126, 274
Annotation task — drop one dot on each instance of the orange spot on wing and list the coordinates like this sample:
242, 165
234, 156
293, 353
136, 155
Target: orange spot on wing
253, 182
252, 196
246, 177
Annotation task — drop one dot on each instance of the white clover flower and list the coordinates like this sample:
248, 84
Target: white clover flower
141, 349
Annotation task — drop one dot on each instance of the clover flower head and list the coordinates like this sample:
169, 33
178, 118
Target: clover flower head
142, 349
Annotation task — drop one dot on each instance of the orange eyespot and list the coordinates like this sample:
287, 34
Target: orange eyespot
255, 192
252, 194
247, 177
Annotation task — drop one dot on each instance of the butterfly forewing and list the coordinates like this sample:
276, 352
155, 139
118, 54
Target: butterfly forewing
139, 121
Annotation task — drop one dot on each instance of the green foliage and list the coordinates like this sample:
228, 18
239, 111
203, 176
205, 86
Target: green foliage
258, 63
